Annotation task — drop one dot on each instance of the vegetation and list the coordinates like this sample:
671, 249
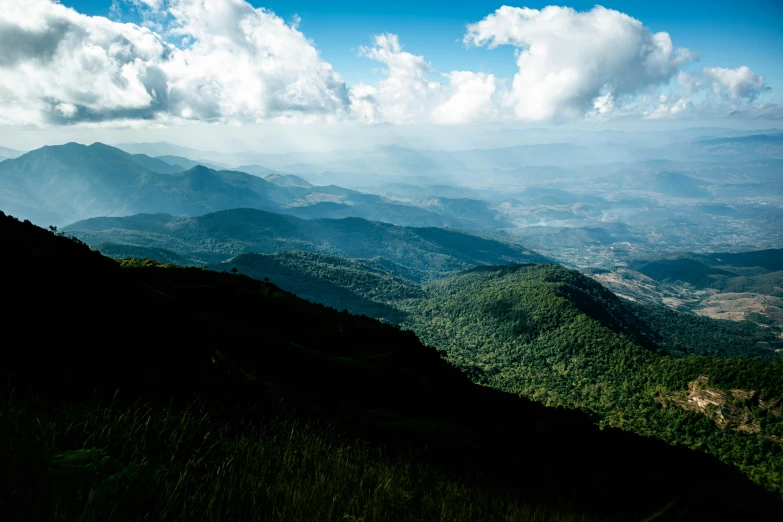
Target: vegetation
682, 269
770, 259
559, 338
259, 358
741, 272
414, 253
768, 284
562, 339
97, 462
683, 334
362, 287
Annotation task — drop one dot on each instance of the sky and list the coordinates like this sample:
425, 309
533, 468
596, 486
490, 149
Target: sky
158, 66
724, 32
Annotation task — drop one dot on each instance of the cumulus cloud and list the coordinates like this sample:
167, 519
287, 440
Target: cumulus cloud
473, 97
227, 61
247, 64
405, 95
411, 90
568, 59
739, 83
235, 63
714, 92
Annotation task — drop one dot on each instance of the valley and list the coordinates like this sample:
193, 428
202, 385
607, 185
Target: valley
391, 261
635, 297
251, 350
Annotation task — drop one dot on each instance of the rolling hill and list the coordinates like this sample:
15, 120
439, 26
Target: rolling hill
560, 338
745, 147
416, 253
362, 287
286, 180
770, 259
252, 351
669, 183
683, 269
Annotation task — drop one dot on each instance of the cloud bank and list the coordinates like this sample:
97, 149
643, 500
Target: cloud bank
234, 63
226, 61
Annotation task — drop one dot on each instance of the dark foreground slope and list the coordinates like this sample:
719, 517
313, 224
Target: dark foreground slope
252, 351
561, 338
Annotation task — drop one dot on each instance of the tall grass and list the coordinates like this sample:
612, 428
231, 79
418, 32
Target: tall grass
151, 462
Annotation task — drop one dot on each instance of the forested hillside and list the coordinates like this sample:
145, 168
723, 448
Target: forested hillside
252, 353
560, 338
414, 253
563, 339
362, 287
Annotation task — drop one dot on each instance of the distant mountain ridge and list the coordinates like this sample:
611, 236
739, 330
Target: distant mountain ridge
704, 270
74, 181
185, 163
7, 153
424, 252
62, 184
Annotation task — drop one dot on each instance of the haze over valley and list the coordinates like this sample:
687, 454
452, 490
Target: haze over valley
528, 267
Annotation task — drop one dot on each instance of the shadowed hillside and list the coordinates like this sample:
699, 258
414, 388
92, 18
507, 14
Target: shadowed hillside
252, 351
362, 287
424, 253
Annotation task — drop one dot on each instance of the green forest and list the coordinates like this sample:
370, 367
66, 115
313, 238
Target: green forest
560, 338
288, 409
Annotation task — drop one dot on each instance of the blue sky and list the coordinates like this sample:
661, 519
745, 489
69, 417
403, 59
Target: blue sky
726, 33
143, 64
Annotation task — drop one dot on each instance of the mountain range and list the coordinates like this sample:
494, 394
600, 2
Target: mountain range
416, 253
546, 332
248, 350
693, 145
62, 184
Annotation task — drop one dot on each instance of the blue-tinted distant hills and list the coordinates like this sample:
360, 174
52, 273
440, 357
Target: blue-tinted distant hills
61, 184
415, 253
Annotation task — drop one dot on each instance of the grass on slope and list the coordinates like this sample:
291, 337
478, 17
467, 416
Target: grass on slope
252, 351
100, 462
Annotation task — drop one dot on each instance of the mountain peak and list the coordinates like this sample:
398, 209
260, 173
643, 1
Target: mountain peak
200, 170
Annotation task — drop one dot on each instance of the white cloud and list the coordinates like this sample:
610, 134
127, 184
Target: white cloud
568, 59
409, 94
472, 98
405, 95
240, 64
715, 92
247, 64
227, 61
56, 64
739, 83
